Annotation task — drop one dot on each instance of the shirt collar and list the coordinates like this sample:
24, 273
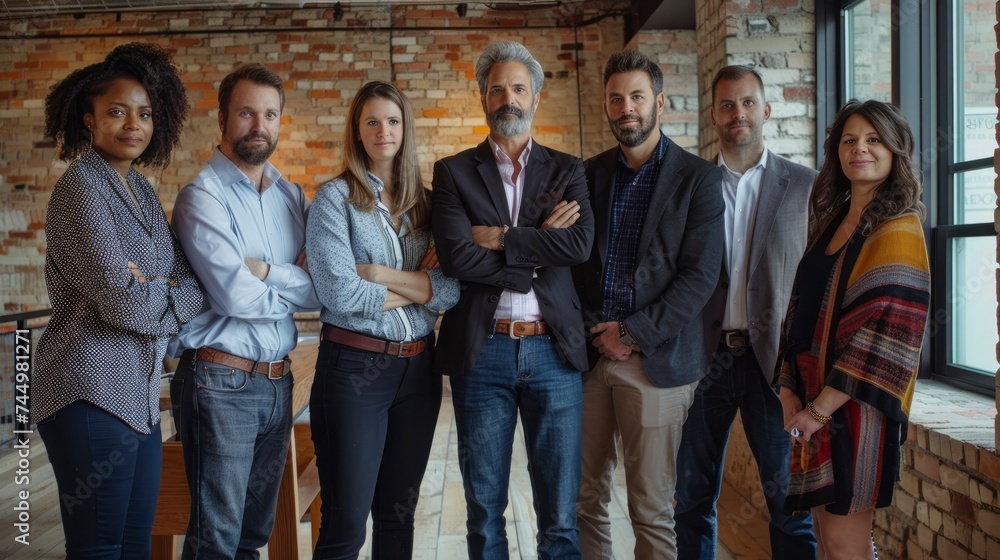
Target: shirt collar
654, 158
762, 163
230, 175
501, 156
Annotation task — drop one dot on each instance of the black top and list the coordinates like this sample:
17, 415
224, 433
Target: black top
811, 281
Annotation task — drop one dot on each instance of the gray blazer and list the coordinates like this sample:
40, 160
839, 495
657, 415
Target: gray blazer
776, 246
677, 262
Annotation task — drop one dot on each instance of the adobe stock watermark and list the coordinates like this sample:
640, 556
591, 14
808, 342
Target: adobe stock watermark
22, 435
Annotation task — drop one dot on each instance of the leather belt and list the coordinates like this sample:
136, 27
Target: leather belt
273, 370
517, 329
372, 344
736, 339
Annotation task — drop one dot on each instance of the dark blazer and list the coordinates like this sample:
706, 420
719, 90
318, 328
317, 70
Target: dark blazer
777, 244
467, 192
677, 262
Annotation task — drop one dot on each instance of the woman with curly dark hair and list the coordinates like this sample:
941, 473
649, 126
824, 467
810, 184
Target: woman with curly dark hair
854, 328
119, 287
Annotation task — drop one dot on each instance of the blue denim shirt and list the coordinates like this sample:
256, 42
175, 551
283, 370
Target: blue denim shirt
340, 236
220, 219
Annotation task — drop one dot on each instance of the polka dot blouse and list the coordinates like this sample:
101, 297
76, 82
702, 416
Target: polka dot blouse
105, 341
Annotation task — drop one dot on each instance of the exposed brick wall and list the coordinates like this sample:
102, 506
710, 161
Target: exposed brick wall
429, 51
947, 502
778, 38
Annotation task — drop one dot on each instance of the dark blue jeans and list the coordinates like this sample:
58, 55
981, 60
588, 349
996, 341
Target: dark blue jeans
735, 382
235, 428
373, 418
108, 477
525, 375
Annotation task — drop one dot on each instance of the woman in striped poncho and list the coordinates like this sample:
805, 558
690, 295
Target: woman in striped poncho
854, 328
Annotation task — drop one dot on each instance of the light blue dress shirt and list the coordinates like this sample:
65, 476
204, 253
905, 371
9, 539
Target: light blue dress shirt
341, 236
220, 219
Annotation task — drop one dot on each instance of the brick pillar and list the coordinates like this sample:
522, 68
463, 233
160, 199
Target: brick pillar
777, 37
996, 220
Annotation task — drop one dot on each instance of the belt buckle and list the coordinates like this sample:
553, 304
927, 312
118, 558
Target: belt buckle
729, 336
271, 364
510, 330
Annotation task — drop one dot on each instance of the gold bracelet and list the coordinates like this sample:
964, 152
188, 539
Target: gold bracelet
816, 415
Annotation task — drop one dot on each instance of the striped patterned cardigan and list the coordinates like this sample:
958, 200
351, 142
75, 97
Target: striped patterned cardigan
867, 345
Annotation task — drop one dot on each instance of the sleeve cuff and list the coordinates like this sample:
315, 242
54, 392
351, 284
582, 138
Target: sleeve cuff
278, 276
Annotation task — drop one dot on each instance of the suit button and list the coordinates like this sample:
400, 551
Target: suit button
716, 323
725, 285
494, 299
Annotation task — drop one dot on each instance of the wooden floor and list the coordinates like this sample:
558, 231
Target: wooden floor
440, 525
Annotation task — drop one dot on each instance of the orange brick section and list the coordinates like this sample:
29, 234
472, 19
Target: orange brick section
323, 62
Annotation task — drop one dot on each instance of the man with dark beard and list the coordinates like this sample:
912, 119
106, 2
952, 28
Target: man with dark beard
242, 228
655, 262
509, 218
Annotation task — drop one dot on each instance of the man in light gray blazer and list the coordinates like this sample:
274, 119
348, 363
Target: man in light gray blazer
767, 200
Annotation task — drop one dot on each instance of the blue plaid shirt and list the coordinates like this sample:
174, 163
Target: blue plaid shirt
629, 202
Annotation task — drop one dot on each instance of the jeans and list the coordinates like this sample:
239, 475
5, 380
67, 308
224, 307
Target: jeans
735, 382
234, 427
108, 478
523, 375
373, 418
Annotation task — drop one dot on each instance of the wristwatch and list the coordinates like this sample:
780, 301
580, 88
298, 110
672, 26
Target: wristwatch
624, 336
502, 234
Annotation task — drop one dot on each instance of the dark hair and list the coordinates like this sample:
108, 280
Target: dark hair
408, 190
734, 73
253, 72
508, 51
630, 61
900, 192
73, 97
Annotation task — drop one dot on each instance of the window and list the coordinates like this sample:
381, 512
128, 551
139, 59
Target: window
935, 60
965, 299
867, 56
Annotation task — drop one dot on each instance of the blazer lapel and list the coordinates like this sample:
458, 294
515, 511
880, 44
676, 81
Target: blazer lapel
666, 183
123, 195
491, 179
773, 186
604, 186
534, 171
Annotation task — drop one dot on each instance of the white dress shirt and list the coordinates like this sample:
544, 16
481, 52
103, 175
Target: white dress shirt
514, 305
741, 193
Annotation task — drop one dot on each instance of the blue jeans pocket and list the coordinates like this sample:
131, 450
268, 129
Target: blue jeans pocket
219, 378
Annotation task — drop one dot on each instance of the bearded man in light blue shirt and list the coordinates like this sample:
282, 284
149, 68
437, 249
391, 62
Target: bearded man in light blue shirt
243, 229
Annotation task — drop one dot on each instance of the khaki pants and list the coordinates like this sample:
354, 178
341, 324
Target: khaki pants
620, 402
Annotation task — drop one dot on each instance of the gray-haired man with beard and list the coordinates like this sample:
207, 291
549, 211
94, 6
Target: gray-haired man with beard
510, 217
242, 227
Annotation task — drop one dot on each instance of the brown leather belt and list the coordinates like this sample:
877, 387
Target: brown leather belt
372, 344
273, 370
736, 339
517, 329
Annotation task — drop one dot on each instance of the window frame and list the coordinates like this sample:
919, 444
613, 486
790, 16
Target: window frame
926, 107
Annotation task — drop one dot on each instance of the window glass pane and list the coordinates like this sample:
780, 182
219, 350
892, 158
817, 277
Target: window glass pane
868, 41
975, 198
975, 94
974, 304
